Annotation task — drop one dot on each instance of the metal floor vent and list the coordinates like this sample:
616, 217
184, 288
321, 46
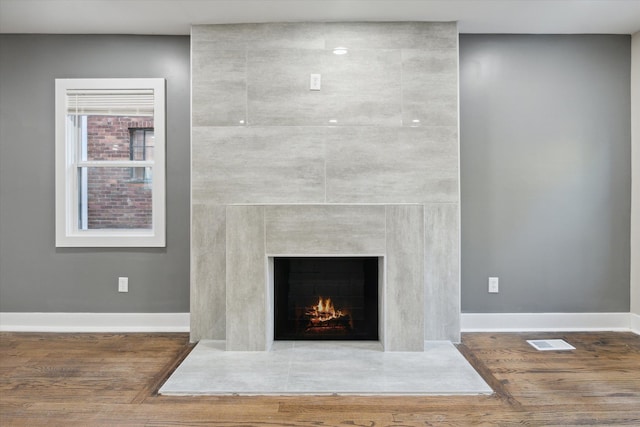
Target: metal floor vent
549, 345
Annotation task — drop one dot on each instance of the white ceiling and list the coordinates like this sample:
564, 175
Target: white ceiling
176, 16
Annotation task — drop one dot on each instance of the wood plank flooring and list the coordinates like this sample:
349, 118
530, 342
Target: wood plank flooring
112, 379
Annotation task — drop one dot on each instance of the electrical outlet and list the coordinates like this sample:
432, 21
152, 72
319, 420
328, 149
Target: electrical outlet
315, 81
123, 284
493, 285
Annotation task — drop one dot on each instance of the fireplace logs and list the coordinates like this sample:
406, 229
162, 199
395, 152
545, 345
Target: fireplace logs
324, 318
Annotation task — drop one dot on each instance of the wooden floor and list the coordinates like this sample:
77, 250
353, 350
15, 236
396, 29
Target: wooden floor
106, 379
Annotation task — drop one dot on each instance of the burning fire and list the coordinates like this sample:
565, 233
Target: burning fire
323, 317
324, 311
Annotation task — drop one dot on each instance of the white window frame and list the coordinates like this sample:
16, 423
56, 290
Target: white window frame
67, 161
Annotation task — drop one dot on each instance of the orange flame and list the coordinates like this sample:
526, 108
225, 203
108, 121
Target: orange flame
324, 310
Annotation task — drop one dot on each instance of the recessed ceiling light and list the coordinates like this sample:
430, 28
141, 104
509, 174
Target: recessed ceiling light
340, 50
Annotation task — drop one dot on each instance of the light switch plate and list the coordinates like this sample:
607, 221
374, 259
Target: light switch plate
315, 82
493, 285
123, 284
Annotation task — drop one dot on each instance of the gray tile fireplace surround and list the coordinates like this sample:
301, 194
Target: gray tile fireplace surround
367, 166
257, 233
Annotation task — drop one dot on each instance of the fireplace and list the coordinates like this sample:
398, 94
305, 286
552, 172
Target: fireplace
326, 298
273, 175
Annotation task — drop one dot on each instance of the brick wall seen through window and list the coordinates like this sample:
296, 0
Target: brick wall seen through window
119, 197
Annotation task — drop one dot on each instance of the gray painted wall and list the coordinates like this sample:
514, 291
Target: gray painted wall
635, 167
34, 275
545, 172
545, 175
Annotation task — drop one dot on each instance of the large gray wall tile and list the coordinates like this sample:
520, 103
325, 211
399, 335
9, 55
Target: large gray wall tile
287, 35
404, 291
325, 229
246, 279
392, 165
208, 248
361, 35
430, 87
391, 35
278, 87
363, 87
360, 88
258, 165
419, 62
442, 272
219, 86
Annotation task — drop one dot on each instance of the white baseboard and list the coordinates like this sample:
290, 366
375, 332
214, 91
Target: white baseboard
524, 322
179, 322
94, 322
635, 322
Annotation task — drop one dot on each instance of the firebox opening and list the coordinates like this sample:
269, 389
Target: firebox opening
326, 298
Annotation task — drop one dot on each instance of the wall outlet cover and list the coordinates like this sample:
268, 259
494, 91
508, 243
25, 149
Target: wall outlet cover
494, 287
123, 284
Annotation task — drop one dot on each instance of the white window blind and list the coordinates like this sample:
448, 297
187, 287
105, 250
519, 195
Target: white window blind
120, 102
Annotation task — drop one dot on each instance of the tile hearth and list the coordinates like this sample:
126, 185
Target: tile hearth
304, 367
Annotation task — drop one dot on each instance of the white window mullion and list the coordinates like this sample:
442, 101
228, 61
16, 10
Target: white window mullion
84, 196
73, 134
116, 163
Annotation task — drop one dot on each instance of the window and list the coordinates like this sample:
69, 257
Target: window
141, 148
110, 169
